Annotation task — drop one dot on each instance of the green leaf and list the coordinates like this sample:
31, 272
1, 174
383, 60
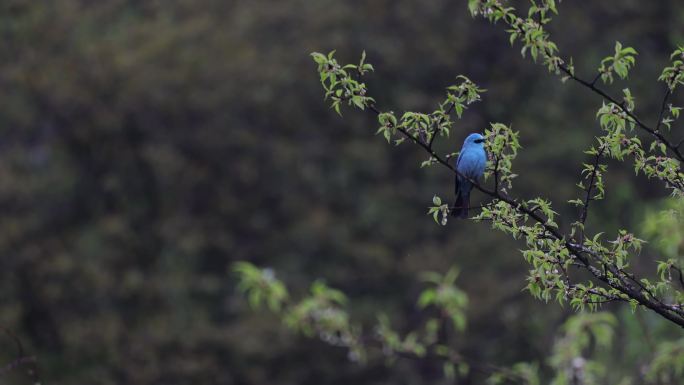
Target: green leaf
427, 297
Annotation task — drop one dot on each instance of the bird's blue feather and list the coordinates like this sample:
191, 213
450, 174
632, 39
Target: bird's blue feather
471, 163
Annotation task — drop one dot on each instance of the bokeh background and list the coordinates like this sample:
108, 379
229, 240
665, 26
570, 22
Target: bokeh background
145, 146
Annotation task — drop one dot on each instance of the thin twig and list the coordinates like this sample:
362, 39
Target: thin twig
17, 363
668, 92
434, 133
596, 78
22, 358
588, 198
680, 143
681, 275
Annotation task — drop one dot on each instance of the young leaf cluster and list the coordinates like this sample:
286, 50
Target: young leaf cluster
323, 313
582, 334
440, 211
261, 286
529, 31
338, 82
620, 63
444, 295
502, 145
673, 75
667, 366
575, 356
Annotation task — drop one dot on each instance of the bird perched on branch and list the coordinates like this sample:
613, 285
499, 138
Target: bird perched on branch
470, 164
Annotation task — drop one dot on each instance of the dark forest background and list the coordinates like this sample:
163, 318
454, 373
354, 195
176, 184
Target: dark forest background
145, 146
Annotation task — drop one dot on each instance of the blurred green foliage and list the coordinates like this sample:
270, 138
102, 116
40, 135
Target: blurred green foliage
146, 146
583, 350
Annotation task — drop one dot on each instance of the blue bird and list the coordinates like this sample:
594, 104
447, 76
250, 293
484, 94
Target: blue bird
471, 163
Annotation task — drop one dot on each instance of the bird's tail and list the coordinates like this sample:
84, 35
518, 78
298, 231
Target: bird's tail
461, 205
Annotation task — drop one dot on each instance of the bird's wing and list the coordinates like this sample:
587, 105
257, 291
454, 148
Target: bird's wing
456, 184
456, 177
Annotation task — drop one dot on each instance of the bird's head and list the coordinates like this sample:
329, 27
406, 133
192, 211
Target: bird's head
474, 139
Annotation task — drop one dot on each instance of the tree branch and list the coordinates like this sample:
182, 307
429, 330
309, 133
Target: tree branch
612, 274
653, 132
592, 86
452, 357
577, 250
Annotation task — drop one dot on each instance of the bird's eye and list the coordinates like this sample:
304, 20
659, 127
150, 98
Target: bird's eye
479, 140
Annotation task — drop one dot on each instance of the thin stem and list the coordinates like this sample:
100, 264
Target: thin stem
681, 275
434, 134
596, 78
17, 362
588, 198
680, 143
22, 358
668, 92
